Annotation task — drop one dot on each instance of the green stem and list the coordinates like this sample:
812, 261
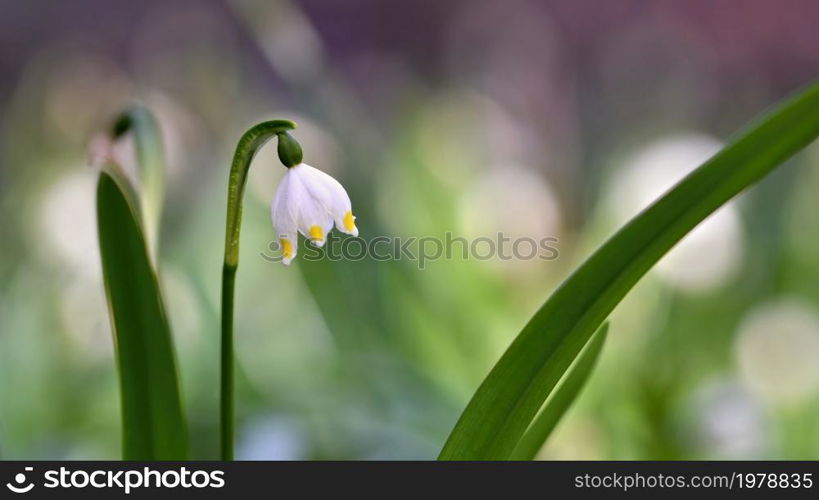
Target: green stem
226, 406
246, 149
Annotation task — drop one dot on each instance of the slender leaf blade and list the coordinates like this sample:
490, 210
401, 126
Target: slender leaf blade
510, 396
562, 398
153, 423
141, 123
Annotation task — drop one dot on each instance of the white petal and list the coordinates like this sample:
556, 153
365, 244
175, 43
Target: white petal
284, 220
281, 210
310, 214
334, 198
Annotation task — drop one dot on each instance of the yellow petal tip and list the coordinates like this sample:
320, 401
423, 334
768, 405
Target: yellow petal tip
316, 234
349, 222
287, 250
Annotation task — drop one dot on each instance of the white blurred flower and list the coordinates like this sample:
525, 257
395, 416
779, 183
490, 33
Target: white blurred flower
67, 224
308, 201
711, 253
273, 438
511, 199
100, 150
777, 346
730, 423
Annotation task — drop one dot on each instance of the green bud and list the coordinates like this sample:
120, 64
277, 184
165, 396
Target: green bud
289, 150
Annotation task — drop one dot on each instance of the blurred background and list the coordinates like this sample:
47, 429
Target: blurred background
535, 118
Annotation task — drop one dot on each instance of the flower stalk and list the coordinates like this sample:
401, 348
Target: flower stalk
246, 149
308, 201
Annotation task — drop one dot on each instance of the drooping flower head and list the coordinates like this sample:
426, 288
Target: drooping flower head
308, 201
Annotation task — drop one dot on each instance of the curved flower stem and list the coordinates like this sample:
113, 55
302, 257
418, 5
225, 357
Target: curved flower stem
246, 149
150, 164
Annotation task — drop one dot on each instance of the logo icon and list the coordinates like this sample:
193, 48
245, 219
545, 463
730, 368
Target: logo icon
20, 478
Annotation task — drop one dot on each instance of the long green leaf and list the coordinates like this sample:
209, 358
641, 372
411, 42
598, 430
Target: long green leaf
561, 399
510, 396
150, 160
153, 424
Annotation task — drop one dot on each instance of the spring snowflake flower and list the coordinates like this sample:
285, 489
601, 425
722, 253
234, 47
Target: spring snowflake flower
309, 202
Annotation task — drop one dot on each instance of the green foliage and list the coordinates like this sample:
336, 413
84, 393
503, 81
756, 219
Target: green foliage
509, 398
153, 427
561, 399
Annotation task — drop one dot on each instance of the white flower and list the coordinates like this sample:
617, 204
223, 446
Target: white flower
308, 201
